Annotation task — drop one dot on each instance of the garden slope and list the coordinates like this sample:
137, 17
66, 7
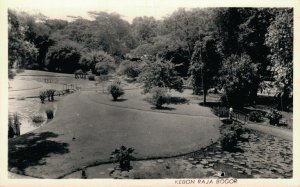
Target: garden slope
51, 151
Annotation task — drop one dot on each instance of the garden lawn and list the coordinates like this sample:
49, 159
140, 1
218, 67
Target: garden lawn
133, 99
84, 133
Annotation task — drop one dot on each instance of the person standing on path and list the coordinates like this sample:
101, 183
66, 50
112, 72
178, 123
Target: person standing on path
230, 113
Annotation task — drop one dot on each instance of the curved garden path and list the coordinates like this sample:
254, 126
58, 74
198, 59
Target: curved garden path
84, 133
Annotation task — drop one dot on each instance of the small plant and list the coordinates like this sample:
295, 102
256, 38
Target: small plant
11, 131
274, 117
50, 94
158, 97
255, 116
37, 119
229, 140
42, 96
13, 125
91, 77
115, 90
49, 113
123, 155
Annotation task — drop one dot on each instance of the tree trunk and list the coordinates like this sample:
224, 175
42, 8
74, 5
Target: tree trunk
204, 96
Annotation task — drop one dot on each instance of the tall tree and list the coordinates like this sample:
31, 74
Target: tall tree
206, 61
160, 73
280, 40
21, 52
236, 77
64, 57
144, 28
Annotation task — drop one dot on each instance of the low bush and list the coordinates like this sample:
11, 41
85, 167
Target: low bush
115, 90
158, 97
221, 111
123, 155
91, 77
42, 96
130, 69
229, 141
49, 114
274, 117
231, 137
14, 125
11, 131
37, 119
50, 94
255, 116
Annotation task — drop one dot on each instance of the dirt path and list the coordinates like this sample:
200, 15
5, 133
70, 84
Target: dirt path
282, 133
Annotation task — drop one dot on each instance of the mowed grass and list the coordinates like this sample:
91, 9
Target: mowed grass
85, 132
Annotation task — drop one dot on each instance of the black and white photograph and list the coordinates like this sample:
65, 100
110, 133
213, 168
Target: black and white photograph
149, 90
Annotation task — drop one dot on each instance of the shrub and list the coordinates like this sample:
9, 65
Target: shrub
255, 116
231, 138
221, 111
99, 62
160, 74
50, 94
49, 114
274, 117
130, 69
37, 119
42, 96
13, 125
91, 77
229, 141
115, 90
11, 132
158, 97
123, 155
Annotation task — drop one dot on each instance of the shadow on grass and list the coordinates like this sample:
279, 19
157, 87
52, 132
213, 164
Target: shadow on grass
163, 108
31, 149
211, 104
178, 100
119, 100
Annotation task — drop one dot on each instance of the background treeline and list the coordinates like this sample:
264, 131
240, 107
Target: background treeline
234, 49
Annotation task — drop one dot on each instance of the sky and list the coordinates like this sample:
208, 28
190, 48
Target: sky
128, 9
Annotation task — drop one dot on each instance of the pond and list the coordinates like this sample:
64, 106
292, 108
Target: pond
26, 109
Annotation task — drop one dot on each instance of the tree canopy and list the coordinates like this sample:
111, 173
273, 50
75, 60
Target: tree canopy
199, 44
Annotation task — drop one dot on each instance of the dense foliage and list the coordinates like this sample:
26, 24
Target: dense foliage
99, 62
236, 49
160, 74
63, 57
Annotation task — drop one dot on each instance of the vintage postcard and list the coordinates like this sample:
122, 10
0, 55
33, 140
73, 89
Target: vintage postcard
185, 93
